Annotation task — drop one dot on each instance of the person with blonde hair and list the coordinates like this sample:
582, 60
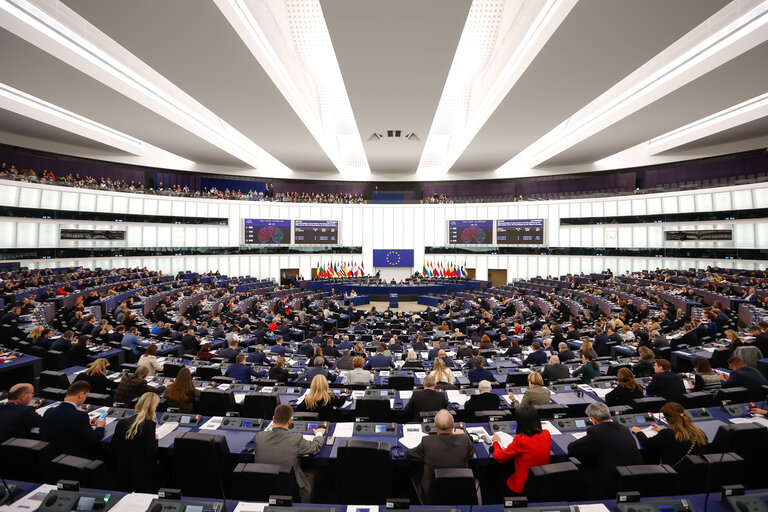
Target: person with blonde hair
536, 394
440, 372
96, 376
134, 447
319, 399
35, 332
675, 443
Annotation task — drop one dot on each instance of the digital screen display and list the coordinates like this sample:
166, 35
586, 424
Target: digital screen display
384, 392
185, 420
193, 508
316, 232
520, 232
246, 423
379, 429
640, 419
246, 388
267, 231
85, 504
470, 232
312, 426
581, 423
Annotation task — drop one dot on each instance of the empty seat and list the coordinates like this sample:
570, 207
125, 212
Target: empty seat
554, 482
550, 410
749, 441
207, 372
25, 459
53, 379
736, 395
517, 379
453, 486
98, 399
401, 382
256, 482
172, 369
708, 473
216, 402
201, 464
55, 360
57, 394
649, 479
90, 473
363, 471
698, 399
648, 404
374, 408
260, 405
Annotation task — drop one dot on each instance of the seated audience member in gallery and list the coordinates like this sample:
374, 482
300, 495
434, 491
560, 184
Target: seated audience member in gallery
530, 447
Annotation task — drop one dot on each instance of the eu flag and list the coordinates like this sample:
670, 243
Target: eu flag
393, 257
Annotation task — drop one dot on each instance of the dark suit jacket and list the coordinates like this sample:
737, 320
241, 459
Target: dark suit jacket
537, 357
228, 353
16, 420
278, 446
748, 377
477, 374
553, 372
441, 451
424, 400
136, 458
69, 431
668, 385
605, 446
131, 387
482, 402
566, 355
99, 383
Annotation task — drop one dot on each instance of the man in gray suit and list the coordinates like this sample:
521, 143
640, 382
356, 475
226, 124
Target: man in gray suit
278, 446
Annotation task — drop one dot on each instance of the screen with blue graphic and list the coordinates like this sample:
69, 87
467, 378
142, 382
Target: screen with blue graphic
267, 231
463, 232
393, 257
520, 232
316, 232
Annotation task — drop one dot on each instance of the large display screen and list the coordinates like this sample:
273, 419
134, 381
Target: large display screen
464, 232
520, 232
316, 232
267, 231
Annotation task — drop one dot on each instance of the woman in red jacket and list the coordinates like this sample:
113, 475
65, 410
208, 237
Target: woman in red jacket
530, 447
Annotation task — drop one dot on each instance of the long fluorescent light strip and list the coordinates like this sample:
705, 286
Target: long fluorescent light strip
712, 44
44, 23
741, 109
71, 117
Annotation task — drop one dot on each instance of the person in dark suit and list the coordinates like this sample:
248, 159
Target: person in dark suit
96, 376
379, 360
555, 370
479, 373
600, 343
64, 343
742, 375
484, 400
279, 446
672, 445
68, 429
665, 383
190, 343
278, 372
537, 357
564, 353
243, 372
17, 418
330, 350
689, 338
280, 349
423, 400
134, 447
606, 445
258, 357
450, 448
229, 353
133, 385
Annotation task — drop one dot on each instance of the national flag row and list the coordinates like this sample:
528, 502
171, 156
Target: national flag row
340, 269
440, 269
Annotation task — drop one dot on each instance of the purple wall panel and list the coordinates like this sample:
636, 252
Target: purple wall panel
625, 181
470, 189
707, 170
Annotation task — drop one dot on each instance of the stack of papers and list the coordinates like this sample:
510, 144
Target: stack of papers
412, 435
245, 506
756, 419
213, 423
481, 432
505, 439
421, 375
456, 397
406, 394
240, 397
267, 389
166, 428
648, 431
546, 425
578, 435
601, 392
344, 429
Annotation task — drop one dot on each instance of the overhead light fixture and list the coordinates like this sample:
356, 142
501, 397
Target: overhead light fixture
26, 105
744, 112
735, 29
60, 31
499, 41
290, 39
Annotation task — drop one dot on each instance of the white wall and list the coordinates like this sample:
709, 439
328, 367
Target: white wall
380, 227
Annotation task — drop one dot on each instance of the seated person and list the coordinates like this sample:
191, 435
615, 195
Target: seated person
441, 373
134, 447
530, 447
666, 383
588, 370
424, 400
479, 373
278, 372
705, 379
133, 385
743, 375
149, 359
626, 390
182, 392
555, 370
243, 372
536, 394
673, 444
484, 400
17, 417
412, 361
321, 400
68, 428
96, 376
357, 375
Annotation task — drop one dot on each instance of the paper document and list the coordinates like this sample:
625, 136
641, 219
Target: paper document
224, 386
421, 375
266, 389
504, 439
384, 373
578, 435
344, 429
546, 425
309, 437
456, 397
166, 428
756, 419
213, 423
358, 393
246, 506
133, 501
481, 432
507, 399
648, 431
33, 500
240, 397
593, 507
406, 394
301, 398
412, 435
41, 410
601, 392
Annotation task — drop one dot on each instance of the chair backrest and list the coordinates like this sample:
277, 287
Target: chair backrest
374, 408
53, 379
648, 404
199, 461
549, 411
98, 399
363, 471
500, 414
90, 473
518, 379
554, 482
216, 402
736, 395
172, 369
401, 382
649, 479
55, 360
453, 486
708, 473
57, 394
25, 459
256, 482
208, 372
260, 405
